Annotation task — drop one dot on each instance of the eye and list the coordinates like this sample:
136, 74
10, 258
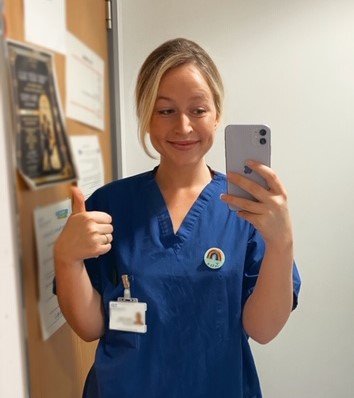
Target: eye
198, 111
166, 112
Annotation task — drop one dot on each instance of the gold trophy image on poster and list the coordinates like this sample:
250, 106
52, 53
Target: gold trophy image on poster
49, 144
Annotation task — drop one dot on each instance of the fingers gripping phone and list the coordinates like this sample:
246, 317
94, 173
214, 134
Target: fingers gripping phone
246, 142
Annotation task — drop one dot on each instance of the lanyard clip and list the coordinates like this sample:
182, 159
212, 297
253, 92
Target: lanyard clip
126, 285
127, 296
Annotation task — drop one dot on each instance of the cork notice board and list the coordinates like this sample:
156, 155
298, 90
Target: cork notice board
59, 365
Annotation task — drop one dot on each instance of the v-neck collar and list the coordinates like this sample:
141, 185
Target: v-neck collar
167, 235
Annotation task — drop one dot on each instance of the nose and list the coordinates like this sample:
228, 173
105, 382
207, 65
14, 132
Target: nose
183, 124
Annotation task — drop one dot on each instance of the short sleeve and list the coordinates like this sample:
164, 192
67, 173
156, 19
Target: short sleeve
253, 261
296, 286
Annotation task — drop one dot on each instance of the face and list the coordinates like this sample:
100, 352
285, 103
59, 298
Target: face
184, 120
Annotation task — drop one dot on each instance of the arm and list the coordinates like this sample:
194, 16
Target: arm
85, 235
268, 308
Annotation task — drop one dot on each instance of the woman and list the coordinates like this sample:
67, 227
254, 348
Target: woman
210, 278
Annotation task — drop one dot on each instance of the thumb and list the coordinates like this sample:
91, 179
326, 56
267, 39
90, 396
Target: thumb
77, 201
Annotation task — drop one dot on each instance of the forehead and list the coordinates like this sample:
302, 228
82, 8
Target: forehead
186, 76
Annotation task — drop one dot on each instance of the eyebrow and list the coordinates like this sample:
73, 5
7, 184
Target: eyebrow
201, 96
161, 97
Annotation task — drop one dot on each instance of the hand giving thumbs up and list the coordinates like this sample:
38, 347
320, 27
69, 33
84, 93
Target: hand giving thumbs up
86, 234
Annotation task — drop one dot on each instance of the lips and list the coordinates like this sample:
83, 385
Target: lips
183, 145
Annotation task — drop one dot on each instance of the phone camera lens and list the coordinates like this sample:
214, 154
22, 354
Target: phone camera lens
262, 132
262, 141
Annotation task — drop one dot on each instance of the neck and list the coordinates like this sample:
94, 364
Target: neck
184, 177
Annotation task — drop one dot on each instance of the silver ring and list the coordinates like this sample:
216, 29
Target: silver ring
107, 239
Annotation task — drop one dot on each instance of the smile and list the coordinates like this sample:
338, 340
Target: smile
183, 145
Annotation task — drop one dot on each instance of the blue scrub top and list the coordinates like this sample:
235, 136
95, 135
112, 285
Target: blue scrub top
195, 345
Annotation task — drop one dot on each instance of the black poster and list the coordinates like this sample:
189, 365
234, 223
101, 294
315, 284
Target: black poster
42, 147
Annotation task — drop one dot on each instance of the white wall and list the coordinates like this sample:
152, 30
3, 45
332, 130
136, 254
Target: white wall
290, 65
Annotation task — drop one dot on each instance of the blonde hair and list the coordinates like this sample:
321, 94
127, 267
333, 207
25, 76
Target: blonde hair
171, 54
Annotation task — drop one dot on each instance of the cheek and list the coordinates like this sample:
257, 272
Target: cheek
155, 140
210, 130
159, 126
153, 130
212, 135
212, 138
153, 123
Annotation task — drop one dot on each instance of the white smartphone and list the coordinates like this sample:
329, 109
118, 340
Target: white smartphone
246, 142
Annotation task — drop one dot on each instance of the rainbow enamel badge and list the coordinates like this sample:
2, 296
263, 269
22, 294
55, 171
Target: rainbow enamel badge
214, 258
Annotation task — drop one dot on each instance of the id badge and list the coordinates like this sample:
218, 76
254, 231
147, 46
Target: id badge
127, 316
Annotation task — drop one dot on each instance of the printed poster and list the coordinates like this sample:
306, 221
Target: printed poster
84, 84
42, 147
49, 222
89, 163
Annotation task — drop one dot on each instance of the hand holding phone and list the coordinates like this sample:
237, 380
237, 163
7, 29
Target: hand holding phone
242, 143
